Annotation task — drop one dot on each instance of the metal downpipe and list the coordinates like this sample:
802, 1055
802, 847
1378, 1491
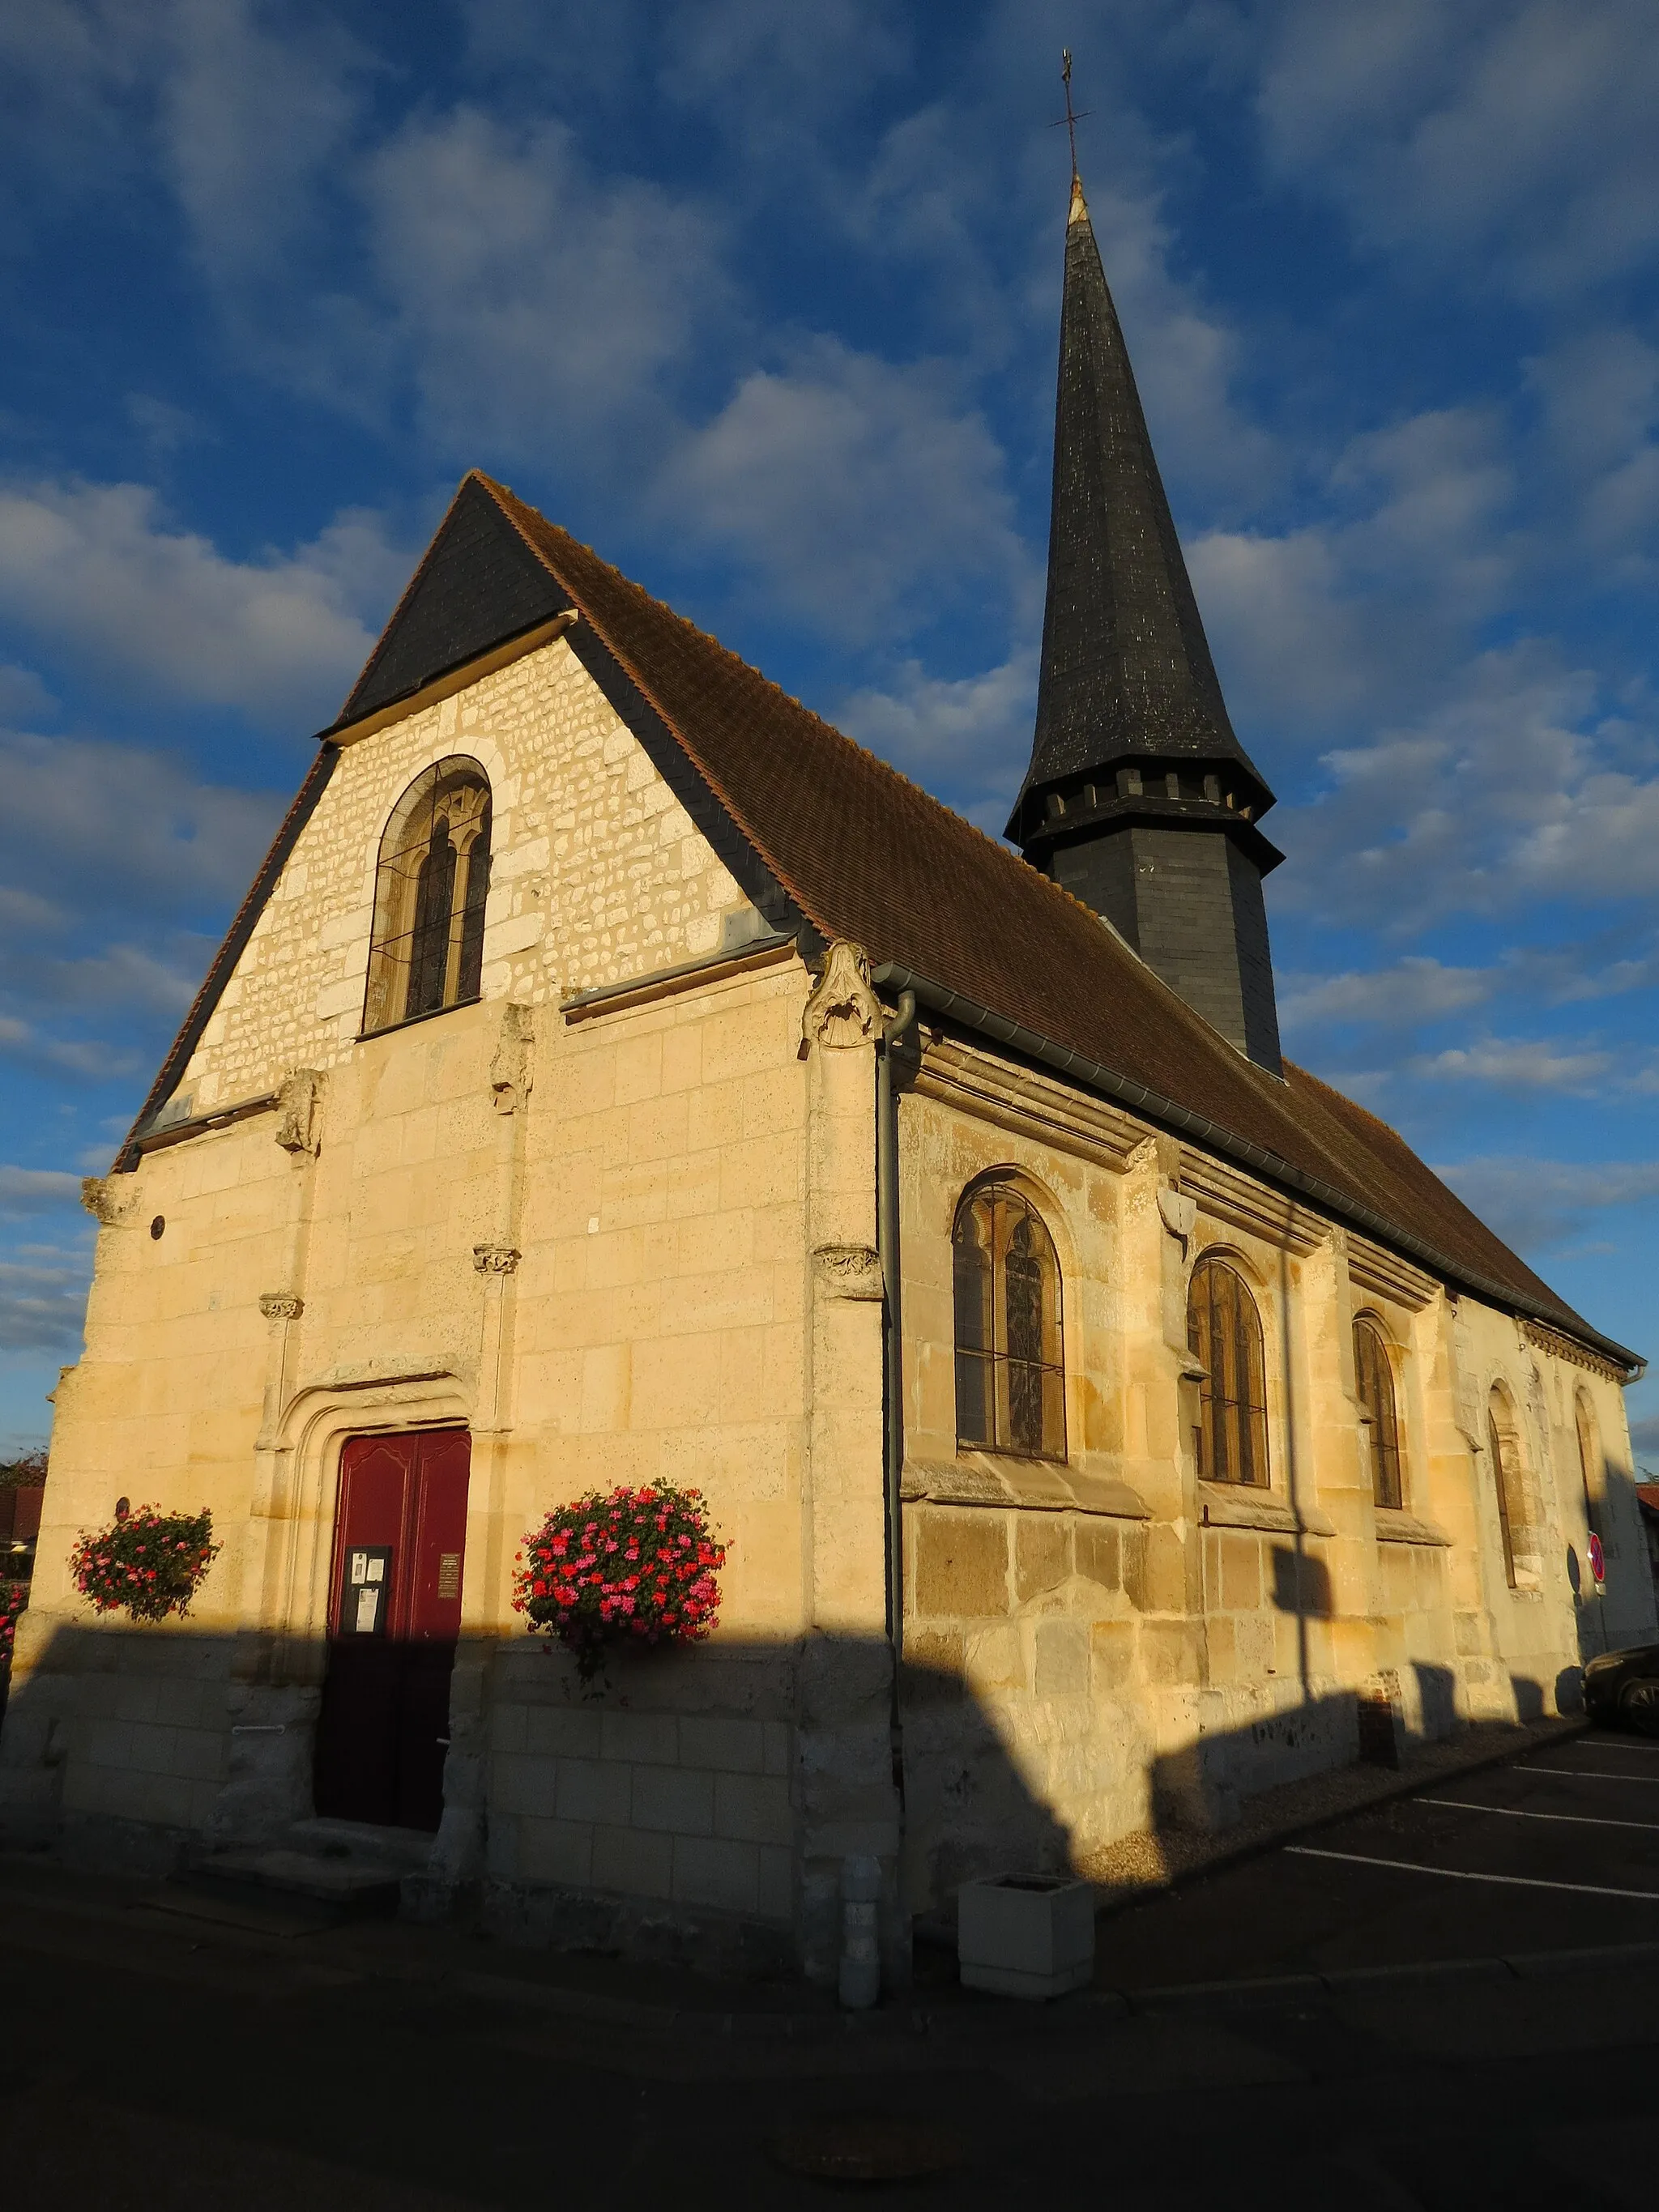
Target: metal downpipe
887, 1246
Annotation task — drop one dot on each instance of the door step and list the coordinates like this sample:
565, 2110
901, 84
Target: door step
242, 1905
357, 1888
322, 1873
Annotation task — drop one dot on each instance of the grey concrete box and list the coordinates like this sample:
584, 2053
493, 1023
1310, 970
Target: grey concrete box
1026, 1935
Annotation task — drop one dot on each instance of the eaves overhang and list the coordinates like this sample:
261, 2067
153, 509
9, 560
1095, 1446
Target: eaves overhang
1167, 1113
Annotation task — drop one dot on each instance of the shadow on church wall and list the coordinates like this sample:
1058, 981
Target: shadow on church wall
695, 1791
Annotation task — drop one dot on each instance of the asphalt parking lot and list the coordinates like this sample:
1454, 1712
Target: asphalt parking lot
1555, 1849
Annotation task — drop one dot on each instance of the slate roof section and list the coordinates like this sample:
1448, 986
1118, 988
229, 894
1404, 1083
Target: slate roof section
1125, 670
478, 586
861, 852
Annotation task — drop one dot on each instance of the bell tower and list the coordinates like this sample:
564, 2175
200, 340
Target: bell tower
1139, 798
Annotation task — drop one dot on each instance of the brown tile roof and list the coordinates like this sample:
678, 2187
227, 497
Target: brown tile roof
868, 855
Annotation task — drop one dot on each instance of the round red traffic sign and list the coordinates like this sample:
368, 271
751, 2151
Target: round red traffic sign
1597, 1558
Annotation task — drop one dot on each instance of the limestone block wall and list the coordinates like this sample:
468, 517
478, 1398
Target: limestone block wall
673, 1789
1224, 1644
596, 873
585, 1241
1026, 1734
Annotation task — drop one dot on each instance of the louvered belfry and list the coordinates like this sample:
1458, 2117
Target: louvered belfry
1139, 799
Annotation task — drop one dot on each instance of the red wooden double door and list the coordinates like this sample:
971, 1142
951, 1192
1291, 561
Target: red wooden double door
394, 1618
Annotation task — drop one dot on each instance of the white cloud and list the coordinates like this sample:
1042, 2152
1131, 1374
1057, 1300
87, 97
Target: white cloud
965, 738
854, 488
23, 696
1413, 990
1533, 1203
536, 305
1495, 799
1514, 1064
1513, 137
42, 1294
1338, 621
97, 569
252, 112
35, 1190
119, 820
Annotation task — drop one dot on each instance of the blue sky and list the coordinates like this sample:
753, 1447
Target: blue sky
762, 300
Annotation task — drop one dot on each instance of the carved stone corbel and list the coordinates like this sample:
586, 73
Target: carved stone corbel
298, 1102
511, 1073
280, 1305
496, 1259
842, 1012
848, 1271
1178, 1213
108, 1198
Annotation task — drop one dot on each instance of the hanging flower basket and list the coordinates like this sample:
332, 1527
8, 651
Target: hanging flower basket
638, 1566
146, 1563
14, 1596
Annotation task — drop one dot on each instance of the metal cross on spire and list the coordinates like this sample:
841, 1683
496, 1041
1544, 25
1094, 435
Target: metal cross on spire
1069, 119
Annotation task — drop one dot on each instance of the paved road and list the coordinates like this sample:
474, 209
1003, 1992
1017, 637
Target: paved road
174, 2065
1557, 1848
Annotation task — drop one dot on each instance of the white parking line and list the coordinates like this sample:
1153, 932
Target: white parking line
1515, 1812
1625, 1744
1457, 1874
1588, 1774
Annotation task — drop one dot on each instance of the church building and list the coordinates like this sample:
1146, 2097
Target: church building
613, 1075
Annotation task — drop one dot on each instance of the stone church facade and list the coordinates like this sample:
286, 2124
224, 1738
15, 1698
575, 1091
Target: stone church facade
616, 1074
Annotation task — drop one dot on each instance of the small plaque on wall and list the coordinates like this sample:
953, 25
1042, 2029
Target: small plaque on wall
449, 1574
367, 1596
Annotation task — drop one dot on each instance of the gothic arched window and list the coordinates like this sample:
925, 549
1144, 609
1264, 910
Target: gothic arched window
1502, 1445
1373, 1375
430, 889
1011, 1358
1590, 1462
1225, 1332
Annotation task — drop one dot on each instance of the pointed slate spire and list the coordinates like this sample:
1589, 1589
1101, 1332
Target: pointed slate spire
1139, 798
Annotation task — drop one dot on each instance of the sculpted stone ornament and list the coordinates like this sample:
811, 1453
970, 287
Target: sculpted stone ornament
297, 1104
843, 1012
496, 1259
510, 1072
849, 1271
280, 1305
106, 1200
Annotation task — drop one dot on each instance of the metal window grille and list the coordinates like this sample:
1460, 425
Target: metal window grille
1010, 1349
1224, 1330
430, 885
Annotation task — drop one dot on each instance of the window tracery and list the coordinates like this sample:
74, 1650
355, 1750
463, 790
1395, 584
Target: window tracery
1373, 1374
1010, 1349
1224, 1330
430, 885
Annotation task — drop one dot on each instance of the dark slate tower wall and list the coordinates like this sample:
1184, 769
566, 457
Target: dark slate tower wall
1192, 908
1139, 797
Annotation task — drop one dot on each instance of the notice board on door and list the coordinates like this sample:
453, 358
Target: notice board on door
366, 1598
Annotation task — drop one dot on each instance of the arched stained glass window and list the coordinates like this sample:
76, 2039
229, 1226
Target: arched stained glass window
1373, 1374
1225, 1332
429, 891
1010, 1352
